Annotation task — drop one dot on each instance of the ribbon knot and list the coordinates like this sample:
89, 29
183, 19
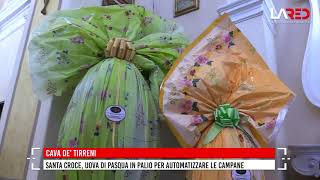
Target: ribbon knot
225, 117
120, 48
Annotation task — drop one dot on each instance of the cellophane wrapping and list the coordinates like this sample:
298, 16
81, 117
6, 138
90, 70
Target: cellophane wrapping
67, 54
222, 67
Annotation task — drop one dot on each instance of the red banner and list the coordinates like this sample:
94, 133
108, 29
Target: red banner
160, 153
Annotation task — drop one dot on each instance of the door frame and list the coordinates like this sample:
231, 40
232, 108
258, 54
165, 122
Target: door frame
27, 5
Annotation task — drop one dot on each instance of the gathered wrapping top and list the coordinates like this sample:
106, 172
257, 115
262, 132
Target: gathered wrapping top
67, 43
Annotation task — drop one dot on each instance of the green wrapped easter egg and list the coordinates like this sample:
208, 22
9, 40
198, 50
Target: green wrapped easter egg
115, 101
111, 107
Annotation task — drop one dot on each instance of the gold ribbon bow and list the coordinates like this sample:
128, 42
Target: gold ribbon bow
120, 48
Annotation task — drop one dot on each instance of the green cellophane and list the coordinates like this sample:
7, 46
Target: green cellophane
111, 82
67, 54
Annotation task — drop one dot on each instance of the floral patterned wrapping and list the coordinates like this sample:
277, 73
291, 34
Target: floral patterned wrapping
109, 83
220, 67
67, 53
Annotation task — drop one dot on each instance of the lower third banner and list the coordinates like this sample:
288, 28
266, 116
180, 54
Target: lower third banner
248, 164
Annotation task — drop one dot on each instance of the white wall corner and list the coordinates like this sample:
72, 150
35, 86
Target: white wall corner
75, 4
243, 10
11, 8
12, 16
148, 4
268, 7
310, 68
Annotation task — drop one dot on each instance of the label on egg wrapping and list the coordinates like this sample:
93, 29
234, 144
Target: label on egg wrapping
115, 113
241, 175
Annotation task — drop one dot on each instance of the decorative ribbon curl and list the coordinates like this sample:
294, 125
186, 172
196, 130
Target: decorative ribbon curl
120, 48
226, 117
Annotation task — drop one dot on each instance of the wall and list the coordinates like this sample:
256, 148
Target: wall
195, 22
12, 20
303, 119
15, 147
8, 54
73, 4
1, 3
256, 29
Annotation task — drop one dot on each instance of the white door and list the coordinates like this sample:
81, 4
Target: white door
13, 27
